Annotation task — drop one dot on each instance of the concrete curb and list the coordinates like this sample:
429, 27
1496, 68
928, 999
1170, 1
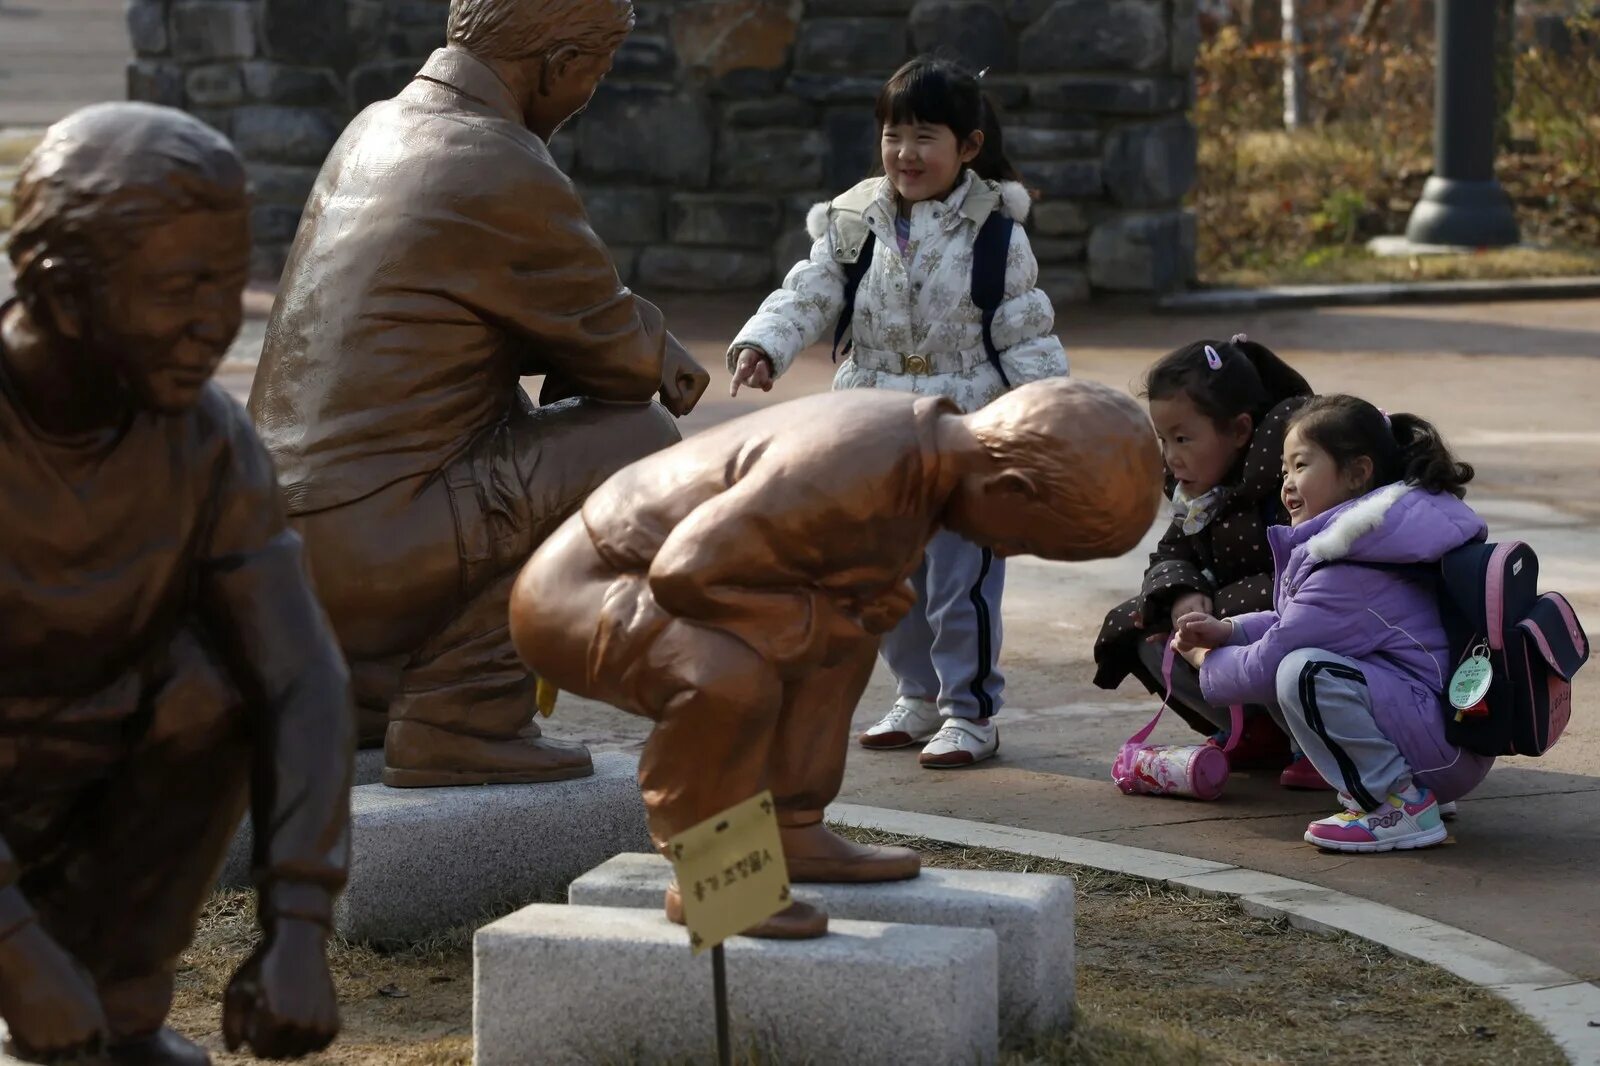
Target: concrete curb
1284, 297
1565, 1006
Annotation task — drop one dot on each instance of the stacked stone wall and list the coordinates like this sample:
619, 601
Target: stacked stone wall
724, 120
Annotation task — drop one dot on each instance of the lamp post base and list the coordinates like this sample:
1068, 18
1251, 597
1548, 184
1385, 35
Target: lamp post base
1470, 214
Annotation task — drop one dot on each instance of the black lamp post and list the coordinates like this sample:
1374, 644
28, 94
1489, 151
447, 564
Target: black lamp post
1462, 203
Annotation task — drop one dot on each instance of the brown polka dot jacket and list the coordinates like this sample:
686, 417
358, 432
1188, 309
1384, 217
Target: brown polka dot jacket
1228, 560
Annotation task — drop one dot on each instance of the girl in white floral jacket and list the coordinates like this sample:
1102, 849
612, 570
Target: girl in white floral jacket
915, 328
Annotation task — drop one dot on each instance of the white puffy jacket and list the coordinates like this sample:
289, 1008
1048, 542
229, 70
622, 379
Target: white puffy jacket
915, 327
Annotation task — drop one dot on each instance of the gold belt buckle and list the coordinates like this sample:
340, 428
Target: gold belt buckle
914, 364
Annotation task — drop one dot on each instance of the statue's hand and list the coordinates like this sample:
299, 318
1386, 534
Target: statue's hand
45, 997
281, 1002
683, 381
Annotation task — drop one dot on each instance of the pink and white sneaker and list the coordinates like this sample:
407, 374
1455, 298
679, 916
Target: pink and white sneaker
1396, 825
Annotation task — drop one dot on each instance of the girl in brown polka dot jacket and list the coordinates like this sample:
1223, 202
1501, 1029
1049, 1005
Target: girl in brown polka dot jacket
1219, 409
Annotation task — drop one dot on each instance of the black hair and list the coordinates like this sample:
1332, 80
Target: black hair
944, 93
1402, 447
1225, 379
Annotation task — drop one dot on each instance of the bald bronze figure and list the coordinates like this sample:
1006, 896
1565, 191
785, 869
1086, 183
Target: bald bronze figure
733, 588
442, 256
164, 661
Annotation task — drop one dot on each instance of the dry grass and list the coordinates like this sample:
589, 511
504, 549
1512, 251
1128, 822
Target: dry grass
1164, 979
1277, 207
1356, 265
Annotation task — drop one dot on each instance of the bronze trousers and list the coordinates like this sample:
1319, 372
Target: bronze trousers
416, 578
728, 723
118, 809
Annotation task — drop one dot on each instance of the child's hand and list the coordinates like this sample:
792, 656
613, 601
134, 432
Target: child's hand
1199, 630
1194, 656
754, 369
1190, 603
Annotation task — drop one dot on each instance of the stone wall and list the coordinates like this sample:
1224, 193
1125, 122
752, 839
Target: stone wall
724, 120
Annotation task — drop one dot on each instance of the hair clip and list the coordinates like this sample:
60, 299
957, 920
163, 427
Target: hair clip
1213, 360
1385, 415
982, 72
1239, 338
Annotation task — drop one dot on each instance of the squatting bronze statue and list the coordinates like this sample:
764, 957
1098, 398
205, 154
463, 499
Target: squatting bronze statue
733, 588
163, 659
442, 256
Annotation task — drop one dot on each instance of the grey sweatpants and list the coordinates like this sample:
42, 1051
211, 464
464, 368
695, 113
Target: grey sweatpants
1324, 703
947, 648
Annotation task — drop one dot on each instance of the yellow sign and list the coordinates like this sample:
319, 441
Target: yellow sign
730, 872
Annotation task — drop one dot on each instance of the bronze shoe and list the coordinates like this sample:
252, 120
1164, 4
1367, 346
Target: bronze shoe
797, 921
160, 1048
417, 755
816, 853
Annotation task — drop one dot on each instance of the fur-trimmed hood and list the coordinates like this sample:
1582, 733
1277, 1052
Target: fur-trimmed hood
973, 198
1396, 524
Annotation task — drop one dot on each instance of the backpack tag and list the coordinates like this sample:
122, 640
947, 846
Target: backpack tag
1470, 684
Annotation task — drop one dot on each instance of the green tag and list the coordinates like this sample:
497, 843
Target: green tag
1471, 682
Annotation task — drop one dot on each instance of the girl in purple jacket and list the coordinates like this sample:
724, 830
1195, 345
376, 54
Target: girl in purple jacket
1354, 662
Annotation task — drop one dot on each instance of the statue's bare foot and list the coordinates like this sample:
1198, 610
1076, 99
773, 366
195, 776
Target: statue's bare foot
425, 756
798, 921
816, 853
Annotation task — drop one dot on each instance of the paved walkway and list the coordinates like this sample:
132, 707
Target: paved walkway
58, 55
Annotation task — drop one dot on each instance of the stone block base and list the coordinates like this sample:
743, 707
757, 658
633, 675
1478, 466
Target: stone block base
568, 984
1030, 914
426, 859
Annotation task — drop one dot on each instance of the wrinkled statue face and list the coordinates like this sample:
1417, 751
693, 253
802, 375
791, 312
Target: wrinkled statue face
165, 312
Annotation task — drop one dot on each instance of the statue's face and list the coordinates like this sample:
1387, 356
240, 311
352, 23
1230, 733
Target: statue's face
170, 307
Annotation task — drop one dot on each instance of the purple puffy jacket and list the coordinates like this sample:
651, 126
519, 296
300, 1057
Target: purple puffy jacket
1386, 619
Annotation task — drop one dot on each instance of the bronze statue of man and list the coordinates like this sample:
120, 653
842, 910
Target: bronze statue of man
164, 660
734, 588
442, 256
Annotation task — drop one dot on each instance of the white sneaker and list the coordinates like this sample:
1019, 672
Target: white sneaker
907, 723
962, 742
1447, 811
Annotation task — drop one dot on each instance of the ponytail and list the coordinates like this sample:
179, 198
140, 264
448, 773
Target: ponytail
1402, 447
992, 163
1425, 459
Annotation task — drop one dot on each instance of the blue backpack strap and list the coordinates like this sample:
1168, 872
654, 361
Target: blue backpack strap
989, 253
853, 273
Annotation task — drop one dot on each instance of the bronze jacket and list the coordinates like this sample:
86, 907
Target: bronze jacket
442, 256
789, 529
171, 535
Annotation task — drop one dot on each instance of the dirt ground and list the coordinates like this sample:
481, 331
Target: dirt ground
1164, 979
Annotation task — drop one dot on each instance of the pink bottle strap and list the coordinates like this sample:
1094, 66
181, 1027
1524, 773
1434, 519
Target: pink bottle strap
1235, 712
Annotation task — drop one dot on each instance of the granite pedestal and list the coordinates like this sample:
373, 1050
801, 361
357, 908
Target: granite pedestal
569, 984
1031, 916
425, 859
368, 770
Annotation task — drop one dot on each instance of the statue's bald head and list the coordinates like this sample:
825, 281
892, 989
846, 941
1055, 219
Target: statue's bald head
104, 174
521, 29
1091, 457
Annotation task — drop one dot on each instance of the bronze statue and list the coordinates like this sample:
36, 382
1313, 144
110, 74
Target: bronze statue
733, 588
164, 659
442, 256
